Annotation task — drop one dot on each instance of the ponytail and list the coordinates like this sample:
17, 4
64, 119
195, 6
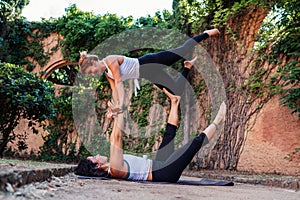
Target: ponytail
86, 60
83, 55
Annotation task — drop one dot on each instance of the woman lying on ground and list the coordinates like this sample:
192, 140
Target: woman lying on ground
168, 165
119, 68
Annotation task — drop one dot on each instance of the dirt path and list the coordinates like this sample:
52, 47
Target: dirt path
70, 187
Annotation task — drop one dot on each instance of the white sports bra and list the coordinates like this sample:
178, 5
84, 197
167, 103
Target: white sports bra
138, 167
130, 69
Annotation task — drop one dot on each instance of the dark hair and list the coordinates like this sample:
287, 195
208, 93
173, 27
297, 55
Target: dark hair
88, 168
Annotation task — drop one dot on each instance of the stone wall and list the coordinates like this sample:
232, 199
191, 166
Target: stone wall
270, 146
34, 141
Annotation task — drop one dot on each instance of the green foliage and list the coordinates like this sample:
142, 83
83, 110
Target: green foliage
65, 75
27, 38
199, 87
13, 31
141, 104
256, 83
60, 143
281, 29
15, 39
139, 145
160, 19
11, 9
36, 33
22, 95
293, 155
189, 15
84, 30
287, 44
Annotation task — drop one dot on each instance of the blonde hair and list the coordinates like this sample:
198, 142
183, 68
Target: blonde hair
86, 60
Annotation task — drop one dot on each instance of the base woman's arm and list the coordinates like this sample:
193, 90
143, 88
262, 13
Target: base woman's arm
118, 168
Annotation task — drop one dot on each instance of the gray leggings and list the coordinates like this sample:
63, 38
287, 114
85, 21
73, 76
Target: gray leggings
169, 164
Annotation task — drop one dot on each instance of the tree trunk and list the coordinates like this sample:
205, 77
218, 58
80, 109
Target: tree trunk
234, 60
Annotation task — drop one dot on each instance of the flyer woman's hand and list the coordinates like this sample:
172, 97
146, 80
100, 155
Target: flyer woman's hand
114, 108
110, 115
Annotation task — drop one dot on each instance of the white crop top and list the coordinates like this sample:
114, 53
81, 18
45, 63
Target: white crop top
138, 167
129, 69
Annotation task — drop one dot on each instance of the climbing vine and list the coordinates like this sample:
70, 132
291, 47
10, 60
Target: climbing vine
141, 104
286, 54
27, 37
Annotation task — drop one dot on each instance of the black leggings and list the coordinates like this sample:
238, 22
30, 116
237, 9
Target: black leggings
152, 65
169, 164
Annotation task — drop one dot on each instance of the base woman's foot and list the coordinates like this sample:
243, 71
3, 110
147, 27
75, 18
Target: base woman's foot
172, 97
212, 32
189, 63
220, 117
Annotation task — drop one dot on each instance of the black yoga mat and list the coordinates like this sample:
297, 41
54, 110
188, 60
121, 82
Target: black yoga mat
201, 181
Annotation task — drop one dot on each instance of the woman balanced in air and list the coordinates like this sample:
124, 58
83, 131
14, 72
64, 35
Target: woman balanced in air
119, 68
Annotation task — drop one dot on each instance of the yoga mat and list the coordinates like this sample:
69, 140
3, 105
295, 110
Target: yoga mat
201, 181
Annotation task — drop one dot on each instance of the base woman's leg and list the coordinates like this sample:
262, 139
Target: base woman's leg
172, 168
166, 147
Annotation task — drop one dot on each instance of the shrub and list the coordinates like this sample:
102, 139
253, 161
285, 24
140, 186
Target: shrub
23, 95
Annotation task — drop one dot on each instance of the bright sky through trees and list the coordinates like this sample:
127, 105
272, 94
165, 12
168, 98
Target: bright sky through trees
38, 9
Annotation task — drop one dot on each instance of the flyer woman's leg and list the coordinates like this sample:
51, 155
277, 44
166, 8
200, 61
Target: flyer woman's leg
169, 57
152, 65
157, 75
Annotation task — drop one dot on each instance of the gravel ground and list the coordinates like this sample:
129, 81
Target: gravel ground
71, 187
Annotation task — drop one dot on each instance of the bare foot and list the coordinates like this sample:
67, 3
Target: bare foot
212, 32
220, 118
173, 98
189, 63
